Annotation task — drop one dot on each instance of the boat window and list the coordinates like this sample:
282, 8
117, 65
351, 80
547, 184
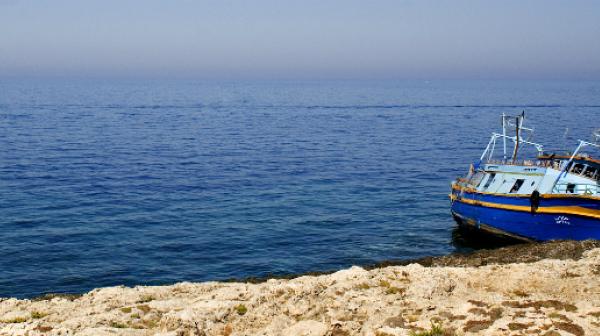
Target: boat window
577, 168
489, 180
590, 172
571, 188
476, 179
556, 164
517, 186
569, 165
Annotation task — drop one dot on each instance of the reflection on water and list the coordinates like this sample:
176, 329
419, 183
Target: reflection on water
467, 240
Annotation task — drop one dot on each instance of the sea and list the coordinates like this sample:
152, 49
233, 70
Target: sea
148, 182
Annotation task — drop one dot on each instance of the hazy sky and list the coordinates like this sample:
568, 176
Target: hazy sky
301, 39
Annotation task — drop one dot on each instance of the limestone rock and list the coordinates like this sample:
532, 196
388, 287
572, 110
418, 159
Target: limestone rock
306, 328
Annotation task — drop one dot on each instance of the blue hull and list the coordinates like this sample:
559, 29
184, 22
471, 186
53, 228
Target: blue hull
525, 225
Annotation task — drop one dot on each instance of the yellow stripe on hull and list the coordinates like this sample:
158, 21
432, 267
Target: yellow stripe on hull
568, 210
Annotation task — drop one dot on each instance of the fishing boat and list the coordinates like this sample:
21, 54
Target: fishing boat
551, 195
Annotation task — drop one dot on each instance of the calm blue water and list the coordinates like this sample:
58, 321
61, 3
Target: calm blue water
116, 182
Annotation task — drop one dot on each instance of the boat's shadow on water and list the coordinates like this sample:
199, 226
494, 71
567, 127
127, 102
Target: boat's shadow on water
466, 240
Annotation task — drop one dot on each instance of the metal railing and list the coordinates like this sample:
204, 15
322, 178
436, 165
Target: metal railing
576, 188
489, 150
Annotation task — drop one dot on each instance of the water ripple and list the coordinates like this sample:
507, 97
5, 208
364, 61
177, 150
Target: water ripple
150, 183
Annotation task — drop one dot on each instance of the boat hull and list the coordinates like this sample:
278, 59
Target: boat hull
518, 223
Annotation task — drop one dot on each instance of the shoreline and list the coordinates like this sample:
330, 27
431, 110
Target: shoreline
548, 288
523, 252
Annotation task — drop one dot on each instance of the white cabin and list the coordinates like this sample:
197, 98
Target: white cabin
524, 179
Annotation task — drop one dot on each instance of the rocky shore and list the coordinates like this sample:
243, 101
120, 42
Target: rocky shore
541, 289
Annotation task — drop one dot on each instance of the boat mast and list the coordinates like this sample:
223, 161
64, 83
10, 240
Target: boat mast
489, 150
518, 128
517, 124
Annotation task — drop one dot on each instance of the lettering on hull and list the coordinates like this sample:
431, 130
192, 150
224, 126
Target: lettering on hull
564, 220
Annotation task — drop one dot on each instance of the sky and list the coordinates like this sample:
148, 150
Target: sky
391, 39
